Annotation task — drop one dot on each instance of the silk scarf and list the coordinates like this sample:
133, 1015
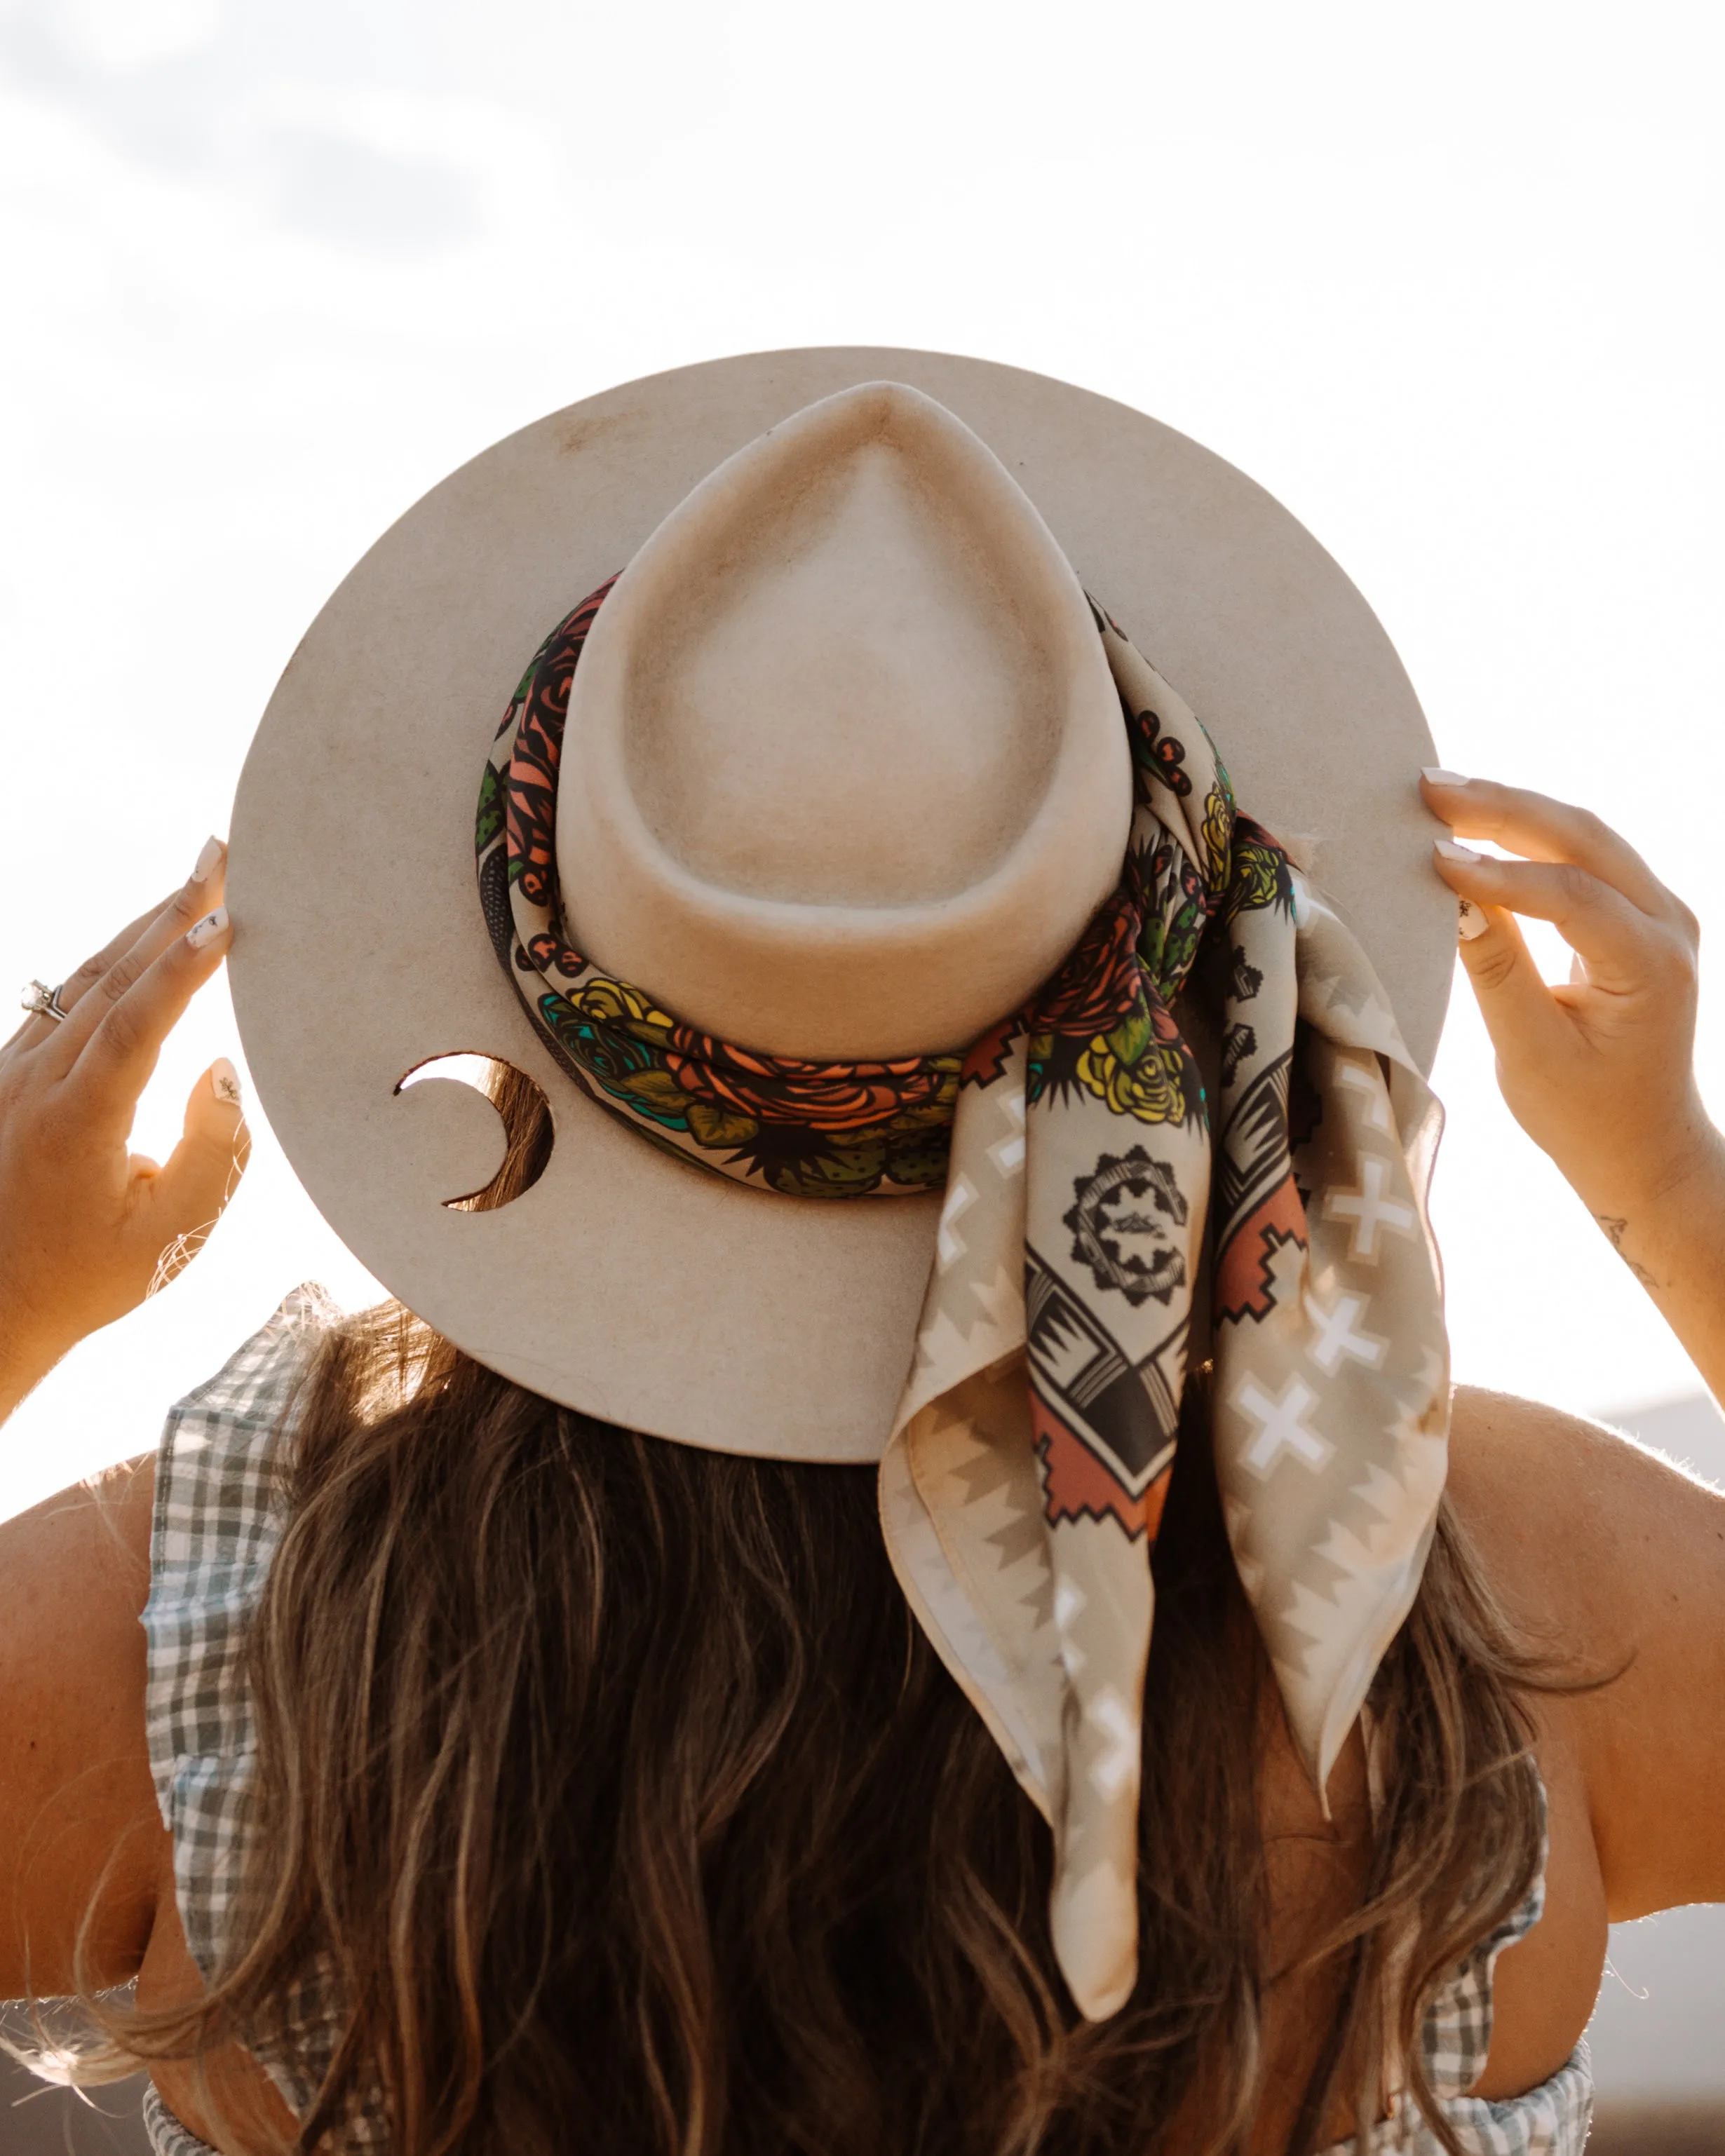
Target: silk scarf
1093, 1193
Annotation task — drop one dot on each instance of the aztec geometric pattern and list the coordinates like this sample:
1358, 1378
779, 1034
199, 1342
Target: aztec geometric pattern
1020, 1518
1082, 1161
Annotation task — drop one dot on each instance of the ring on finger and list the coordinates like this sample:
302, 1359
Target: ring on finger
44, 1001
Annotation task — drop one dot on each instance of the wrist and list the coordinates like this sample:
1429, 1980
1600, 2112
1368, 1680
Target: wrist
1681, 1165
1665, 1217
28, 1352
19, 1376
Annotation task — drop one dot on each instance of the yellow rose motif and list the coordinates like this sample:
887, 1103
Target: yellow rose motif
1151, 1089
607, 1001
1218, 831
1260, 879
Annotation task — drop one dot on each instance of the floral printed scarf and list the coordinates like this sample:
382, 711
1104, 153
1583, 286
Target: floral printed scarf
1090, 1189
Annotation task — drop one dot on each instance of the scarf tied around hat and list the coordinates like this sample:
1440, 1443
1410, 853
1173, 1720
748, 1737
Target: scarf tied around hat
1093, 1196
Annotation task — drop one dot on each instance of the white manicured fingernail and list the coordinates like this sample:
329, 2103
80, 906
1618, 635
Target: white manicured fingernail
1451, 852
209, 861
224, 1081
1433, 776
1471, 920
206, 930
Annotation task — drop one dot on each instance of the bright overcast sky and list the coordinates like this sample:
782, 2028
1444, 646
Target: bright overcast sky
1446, 279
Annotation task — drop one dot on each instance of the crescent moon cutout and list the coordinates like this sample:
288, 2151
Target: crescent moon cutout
521, 1109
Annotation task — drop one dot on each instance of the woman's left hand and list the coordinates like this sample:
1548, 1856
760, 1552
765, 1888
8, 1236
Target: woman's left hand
88, 1228
1598, 1070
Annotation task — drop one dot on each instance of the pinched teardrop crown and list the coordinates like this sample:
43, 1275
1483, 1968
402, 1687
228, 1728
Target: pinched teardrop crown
845, 774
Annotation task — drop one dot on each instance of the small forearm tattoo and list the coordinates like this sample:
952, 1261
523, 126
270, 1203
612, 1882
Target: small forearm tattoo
1615, 1230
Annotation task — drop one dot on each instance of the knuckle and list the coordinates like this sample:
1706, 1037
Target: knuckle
1587, 828
1490, 968
119, 1032
1576, 887
121, 976
1675, 961
188, 906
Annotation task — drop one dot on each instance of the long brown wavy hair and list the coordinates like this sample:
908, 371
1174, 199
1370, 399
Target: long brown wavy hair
630, 1813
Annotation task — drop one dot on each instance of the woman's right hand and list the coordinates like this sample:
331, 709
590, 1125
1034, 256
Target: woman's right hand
88, 1228
1599, 1069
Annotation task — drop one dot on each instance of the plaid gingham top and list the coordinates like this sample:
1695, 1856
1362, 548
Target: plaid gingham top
1551, 2120
217, 1519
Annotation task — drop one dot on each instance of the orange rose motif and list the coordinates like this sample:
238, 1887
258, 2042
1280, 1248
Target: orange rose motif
1100, 984
821, 1096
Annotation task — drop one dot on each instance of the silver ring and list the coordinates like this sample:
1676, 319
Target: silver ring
44, 1001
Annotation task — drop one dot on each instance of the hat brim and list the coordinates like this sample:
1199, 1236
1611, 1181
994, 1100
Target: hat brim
626, 1283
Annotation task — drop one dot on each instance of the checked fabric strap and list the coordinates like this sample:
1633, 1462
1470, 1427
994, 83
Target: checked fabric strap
1080, 1161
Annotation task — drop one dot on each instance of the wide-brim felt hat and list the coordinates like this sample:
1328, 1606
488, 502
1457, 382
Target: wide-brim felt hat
955, 699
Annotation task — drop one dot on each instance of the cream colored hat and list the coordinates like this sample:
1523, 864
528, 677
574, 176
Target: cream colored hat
836, 834
838, 870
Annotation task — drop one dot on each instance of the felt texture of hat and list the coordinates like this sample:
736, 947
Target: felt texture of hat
624, 1282
843, 774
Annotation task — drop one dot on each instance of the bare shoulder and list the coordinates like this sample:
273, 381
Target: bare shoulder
1575, 1521
1612, 1560
80, 1833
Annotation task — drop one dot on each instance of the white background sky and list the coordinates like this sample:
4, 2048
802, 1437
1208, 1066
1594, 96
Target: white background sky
1444, 279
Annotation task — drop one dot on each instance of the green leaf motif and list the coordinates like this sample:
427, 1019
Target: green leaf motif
1132, 1036
490, 820
658, 1093
921, 1161
719, 1127
851, 1173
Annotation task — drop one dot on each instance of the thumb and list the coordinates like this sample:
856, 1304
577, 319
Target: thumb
1524, 1018
191, 1190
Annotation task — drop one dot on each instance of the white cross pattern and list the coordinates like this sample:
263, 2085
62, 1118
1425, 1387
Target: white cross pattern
1369, 1208
1068, 1605
1358, 1079
1281, 1426
1336, 1333
1008, 1153
948, 1242
1117, 1761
